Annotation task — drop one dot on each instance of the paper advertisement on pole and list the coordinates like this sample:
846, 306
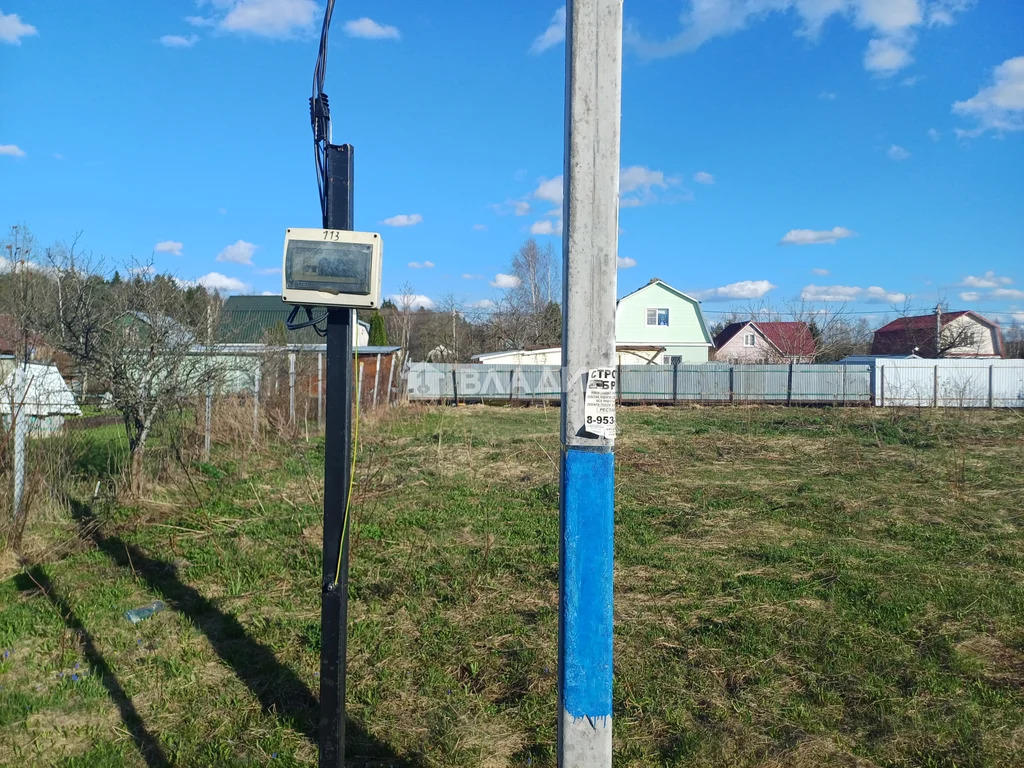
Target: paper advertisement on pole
599, 402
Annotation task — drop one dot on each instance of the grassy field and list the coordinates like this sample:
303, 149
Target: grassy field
794, 587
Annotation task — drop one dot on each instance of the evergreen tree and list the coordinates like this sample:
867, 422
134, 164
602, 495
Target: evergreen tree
378, 331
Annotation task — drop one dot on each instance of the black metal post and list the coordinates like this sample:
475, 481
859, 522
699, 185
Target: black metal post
337, 471
675, 383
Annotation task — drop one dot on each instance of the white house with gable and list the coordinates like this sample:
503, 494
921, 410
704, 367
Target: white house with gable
654, 325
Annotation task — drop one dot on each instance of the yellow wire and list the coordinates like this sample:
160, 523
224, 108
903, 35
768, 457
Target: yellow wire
352, 469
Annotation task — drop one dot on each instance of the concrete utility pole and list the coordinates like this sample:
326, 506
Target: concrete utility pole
589, 251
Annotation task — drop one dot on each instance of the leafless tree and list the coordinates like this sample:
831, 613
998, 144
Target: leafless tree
137, 338
538, 274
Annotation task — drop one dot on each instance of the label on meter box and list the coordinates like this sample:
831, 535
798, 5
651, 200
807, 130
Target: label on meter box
599, 402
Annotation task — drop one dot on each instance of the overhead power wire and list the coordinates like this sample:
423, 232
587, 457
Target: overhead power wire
320, 121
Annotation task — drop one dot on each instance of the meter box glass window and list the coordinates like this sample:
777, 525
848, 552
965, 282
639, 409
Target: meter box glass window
332, 268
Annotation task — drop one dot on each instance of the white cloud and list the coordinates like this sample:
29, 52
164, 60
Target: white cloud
215, 282
549, 190
886, 56
910, 82
989, 280
403, 220
146, 270
546, 227
815, 236
998, 107
876, 295
482, 304
933, 134
517, 207
265, 18
637, 184
421, 265
892, 23
744, 289
896, 152
479, 227
270, 293
268, 271
703, 177
502, 280
969, 295
415, 301
11, 150
820, 271
468, 276
1007, 293
828, 95
200, 21
179, 41
871, 295
172, 247
371, 30
553, 35
625, 262
12, 29
940, 12
238, 253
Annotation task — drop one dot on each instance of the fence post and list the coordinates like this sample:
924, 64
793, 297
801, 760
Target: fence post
320, 389
291, 388
209, 419
732, 383
19, 419
455, 384
257, 381
391, 373
618, 375
376, 380
935, 386
881, 385
844, 384
675, 383
511, 382
991, 386
359, 391
789, 385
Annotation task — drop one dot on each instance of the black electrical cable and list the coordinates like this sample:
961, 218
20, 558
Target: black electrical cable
320, 121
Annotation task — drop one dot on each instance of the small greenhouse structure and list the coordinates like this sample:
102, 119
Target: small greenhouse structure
47, 399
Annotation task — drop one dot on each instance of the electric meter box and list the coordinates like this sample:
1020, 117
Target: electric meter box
332, 268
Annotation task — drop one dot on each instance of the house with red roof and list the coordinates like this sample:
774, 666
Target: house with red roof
946, 334
755, 342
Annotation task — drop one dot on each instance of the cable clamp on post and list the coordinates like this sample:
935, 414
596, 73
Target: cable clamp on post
320, 117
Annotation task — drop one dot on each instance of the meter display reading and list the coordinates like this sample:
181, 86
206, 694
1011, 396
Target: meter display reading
329, 267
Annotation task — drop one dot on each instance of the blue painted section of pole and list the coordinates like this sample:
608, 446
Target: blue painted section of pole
585, 594
589, 258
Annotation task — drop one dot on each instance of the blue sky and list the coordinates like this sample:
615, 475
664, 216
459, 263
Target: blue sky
860, 153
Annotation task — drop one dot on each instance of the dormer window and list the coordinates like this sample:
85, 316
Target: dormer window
749, 340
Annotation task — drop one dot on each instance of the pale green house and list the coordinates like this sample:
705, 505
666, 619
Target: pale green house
659, 317
655, 325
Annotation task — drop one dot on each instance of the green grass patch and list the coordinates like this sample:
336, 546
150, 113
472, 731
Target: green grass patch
794, 587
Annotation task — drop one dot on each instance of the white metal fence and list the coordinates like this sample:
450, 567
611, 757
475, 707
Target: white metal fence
884, 382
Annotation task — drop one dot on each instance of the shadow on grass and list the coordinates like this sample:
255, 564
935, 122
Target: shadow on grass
280, 691
146, 743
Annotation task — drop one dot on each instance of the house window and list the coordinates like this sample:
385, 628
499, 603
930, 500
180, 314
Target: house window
749, 340
657, 317
672, 359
